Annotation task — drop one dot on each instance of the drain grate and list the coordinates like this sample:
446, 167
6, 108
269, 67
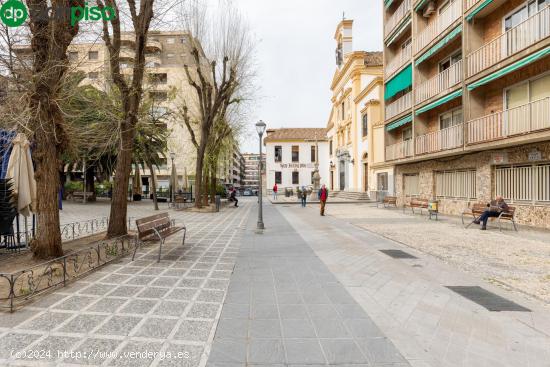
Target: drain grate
489, 300
398, 254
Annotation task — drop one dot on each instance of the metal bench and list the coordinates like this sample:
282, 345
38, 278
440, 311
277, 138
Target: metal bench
158, 226
479, 208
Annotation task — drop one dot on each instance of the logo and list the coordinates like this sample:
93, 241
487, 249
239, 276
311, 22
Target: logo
13, 13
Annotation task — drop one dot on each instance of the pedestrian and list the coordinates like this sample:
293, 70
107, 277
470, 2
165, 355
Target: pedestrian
494, 209
275, 192
323, 196
234, 197
304, 196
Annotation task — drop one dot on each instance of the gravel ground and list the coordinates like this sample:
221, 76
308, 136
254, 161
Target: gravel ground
520, 261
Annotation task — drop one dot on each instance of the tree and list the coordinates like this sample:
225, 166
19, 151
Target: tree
131, 95
219, 74
50, 38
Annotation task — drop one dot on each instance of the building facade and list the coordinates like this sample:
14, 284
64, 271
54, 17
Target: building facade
292, 155
233, 169
251, 170
355, 115
467, 102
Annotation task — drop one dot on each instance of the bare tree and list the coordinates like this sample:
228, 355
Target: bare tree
219, 73
50, 38
131, 96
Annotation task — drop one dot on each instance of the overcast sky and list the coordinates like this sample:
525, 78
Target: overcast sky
296, 56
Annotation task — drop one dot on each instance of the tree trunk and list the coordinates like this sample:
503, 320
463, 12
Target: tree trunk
153, 186
90, 180
205, 183
119, 203
198, 176
213, 186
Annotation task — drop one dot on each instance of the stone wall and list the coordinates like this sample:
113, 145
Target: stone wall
537, 215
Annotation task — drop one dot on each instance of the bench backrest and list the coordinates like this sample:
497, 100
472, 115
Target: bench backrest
147, 225
478, 207
419, 202
390, 199
510, 212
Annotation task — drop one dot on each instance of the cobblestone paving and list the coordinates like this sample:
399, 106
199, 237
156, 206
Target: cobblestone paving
140, 306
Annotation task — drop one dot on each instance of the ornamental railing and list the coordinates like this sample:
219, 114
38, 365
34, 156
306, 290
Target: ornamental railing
437, 26
439, 83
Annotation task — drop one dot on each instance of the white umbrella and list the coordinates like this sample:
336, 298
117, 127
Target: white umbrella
21, 171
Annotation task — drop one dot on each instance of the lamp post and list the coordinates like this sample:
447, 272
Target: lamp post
260, 128
173, 156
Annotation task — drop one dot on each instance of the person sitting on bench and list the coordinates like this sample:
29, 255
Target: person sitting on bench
493, 210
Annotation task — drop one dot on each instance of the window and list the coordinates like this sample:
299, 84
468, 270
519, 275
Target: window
456, 184
278, 153
449, 61
93, 55
295, 153
365, 125
160, 78
170, 56
171, 41
451, 118
313, 155
295, 178
158, 96
411, 184
407, 133
330, 147
523, 183
73, 56
93, 75
382, 181
343, 109
529, 91
278, 178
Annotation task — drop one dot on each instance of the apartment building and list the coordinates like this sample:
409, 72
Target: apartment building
467, 102
355, 123
251, 170
293, 154
165, 83
233, 168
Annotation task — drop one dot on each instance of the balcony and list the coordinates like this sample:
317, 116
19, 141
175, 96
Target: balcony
442, 82
403, 57
398, 106
444, 139
468, 4
525, 34
438, 25
395, 19
153, 45
400, 150
528, 118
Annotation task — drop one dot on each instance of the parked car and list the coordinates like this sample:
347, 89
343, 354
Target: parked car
247, 192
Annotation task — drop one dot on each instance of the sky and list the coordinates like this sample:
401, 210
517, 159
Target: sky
295, 56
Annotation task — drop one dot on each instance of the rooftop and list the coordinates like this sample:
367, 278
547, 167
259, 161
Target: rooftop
296, 134
373, 58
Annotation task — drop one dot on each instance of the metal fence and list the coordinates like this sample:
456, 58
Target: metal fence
20, 287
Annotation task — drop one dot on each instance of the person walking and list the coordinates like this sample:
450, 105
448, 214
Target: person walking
495, 208
234, 197
304, 196
323, 196
275, 192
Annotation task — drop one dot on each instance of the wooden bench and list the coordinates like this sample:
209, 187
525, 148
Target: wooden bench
478, 209
416, 203
79, 195
389, 200
158, 226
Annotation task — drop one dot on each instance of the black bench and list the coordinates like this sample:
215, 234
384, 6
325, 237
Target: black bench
158, 226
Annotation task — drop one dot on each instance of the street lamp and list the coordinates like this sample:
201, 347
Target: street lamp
173, 156
260, 128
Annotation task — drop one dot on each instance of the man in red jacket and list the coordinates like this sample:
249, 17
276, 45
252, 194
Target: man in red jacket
275, 192
323, 196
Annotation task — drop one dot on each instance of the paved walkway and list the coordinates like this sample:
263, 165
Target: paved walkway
285, 308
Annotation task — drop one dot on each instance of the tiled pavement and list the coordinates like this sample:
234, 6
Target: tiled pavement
140, 306
285, 308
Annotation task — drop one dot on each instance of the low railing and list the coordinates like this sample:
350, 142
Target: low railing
524, 119
468, 4
19, 287
525, 34
438, 25
393, 21
444, 139
400, 150
398, 106
401, 58
439, 83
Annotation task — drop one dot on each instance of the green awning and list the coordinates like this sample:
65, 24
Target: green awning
400, 82
439, 44
477, 9
420, 5
387, 3
439, 102
519, 64
396, 124
404, 25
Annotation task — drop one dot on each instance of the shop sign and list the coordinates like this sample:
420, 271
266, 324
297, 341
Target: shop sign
535, 155
500, 158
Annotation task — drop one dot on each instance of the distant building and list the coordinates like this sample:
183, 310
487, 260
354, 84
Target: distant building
291, 156
251, 170
233, 168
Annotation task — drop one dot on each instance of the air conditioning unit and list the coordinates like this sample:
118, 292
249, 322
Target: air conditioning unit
430, 9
